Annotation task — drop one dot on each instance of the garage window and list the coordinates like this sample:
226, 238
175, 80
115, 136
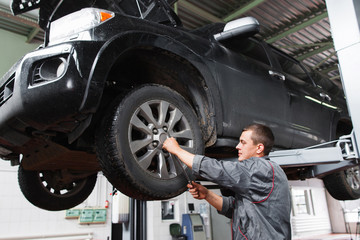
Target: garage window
167, 210
302, 202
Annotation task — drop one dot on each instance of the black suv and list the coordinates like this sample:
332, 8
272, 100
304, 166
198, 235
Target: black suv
113, 79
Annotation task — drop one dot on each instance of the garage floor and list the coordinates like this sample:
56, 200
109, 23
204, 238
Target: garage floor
331, 237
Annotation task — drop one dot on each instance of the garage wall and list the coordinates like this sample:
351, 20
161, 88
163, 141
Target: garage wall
158, 228
344, 215
19, 218
310, 215
12, 48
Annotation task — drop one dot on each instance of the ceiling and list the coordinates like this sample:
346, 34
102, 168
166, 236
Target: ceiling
299, 27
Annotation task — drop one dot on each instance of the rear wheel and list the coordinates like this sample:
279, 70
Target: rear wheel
344, 185
129, 143
55, 190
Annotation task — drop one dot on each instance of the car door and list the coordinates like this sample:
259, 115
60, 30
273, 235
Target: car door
308, 118
250, 91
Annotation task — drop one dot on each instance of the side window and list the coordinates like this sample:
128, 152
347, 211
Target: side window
323, 82
247, 47
292, 67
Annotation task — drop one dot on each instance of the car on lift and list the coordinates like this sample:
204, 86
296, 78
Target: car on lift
113, 79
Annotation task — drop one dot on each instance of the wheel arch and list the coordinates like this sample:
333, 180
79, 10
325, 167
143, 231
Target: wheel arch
157, 60
343, 127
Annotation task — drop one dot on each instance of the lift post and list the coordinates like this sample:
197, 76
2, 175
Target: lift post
344, 19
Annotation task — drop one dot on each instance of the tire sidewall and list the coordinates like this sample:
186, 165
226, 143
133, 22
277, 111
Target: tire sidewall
339, 188
144, 181
353, 193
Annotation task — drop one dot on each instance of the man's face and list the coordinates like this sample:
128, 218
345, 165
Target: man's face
246, 147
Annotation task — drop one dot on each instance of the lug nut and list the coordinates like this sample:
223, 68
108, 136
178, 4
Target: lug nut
155, 131
155, 144
165, 129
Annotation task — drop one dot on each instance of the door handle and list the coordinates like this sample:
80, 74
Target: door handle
325, 96
277, 75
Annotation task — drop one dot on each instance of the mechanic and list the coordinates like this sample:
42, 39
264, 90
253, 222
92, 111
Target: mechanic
260, 209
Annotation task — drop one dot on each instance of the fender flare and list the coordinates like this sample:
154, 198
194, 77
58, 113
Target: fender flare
121, 43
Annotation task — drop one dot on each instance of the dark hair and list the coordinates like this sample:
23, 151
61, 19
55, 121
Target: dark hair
261, 134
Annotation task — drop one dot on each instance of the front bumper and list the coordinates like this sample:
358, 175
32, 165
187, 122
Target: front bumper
44, 93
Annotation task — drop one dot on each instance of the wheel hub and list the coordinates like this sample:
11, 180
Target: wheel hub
159, 136
150, 125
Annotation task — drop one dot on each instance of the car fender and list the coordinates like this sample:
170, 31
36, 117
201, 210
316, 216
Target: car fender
119, 44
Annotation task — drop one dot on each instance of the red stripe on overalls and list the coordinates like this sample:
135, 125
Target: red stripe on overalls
232, 234
273, 184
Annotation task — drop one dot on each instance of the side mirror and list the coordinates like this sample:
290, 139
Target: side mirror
247, 26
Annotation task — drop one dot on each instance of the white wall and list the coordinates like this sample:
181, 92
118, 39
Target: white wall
343, 213
20, 218
12, 48
158, 229
317, 220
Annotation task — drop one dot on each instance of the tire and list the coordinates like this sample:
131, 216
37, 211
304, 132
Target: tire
44, 189
344, 185
129, 143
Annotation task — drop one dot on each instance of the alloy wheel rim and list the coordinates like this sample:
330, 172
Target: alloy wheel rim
51, 182
150, 125
353, 178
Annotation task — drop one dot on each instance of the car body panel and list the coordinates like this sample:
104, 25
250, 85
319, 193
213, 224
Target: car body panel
237, 74
230, 90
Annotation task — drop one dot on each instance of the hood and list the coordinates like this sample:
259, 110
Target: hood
49, 10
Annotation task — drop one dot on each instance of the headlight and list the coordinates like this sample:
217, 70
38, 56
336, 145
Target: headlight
79, 21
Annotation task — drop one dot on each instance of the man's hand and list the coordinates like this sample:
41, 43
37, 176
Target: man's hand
171, 145
198, 191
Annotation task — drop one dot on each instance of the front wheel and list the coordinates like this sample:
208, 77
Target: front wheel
129, 143
344, 185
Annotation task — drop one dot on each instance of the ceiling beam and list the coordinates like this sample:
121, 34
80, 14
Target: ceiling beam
4, 12
305, 45
329, 69
298, 27
314, 52
176, 8
242, 10
202, 13
337, 77
32, 34
324, 60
